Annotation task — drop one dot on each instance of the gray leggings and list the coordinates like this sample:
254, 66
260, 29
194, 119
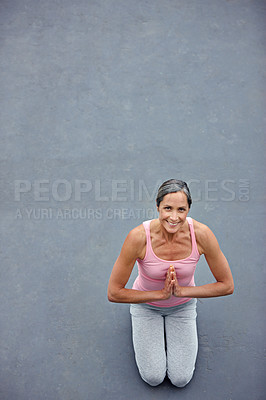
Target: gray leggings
165, 341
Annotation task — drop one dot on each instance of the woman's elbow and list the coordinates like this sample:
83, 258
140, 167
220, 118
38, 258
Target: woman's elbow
111, 298
111, 295
230, 288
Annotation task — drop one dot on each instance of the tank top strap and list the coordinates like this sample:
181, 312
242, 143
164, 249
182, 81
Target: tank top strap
193, 237
146, 225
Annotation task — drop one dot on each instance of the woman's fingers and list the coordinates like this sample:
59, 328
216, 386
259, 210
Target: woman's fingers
170, 279
168, 285
175, 284
171, 282
172, 272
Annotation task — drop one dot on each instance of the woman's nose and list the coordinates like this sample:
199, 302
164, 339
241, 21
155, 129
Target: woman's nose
174, 216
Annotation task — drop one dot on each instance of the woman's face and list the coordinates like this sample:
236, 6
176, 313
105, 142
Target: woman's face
173, 211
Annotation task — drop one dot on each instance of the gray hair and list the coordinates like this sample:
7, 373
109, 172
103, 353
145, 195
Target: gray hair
173, 186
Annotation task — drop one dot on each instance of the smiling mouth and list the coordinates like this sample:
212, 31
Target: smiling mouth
171, 224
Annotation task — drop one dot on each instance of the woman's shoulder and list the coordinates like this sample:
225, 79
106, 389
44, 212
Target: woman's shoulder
137, 236
136, 239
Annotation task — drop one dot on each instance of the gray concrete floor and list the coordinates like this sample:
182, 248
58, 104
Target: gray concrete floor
100, 102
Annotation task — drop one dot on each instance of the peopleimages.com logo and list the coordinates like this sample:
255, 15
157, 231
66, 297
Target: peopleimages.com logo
109, 197
122, 190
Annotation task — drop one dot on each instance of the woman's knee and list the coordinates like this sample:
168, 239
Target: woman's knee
180, 379
153, 378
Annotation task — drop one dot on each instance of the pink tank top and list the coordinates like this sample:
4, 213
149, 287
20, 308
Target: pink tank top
152, 269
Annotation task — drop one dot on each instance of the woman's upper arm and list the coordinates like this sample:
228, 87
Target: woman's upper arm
131, 250
214, 256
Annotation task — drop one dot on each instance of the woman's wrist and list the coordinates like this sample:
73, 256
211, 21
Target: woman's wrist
163, 295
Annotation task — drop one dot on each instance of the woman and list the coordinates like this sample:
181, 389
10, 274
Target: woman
164, 296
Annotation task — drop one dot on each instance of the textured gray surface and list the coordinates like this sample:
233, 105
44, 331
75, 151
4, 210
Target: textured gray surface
123, 95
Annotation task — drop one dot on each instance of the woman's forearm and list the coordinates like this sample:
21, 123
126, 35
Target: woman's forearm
209, 290
135, 296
